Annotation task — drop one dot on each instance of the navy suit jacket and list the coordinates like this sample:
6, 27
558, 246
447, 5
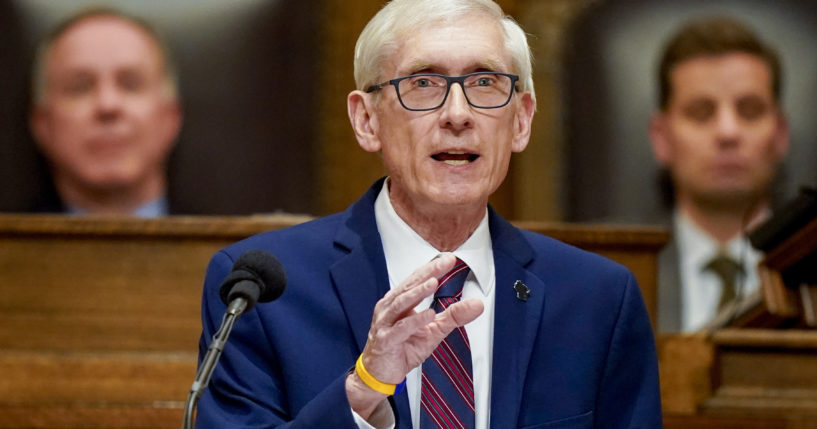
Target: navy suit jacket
579, 353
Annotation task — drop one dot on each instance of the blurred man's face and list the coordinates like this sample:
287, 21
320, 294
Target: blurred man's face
456, 155
106, 121
722, 135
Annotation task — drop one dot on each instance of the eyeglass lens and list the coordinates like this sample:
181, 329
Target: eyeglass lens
486, 90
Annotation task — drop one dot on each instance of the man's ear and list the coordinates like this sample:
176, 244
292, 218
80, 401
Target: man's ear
660, 139
362, 115
523, 122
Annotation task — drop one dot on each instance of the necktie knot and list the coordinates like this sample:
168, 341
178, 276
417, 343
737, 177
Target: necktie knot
451, 283
727, 270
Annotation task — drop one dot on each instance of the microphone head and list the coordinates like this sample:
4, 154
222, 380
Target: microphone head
260, 268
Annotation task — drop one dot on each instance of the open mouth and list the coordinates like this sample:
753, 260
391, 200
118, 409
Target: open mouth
455, 157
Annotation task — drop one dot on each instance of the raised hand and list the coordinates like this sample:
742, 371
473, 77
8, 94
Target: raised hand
400, 338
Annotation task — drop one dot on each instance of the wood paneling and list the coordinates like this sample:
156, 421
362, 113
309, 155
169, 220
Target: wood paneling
99, 322
764, 372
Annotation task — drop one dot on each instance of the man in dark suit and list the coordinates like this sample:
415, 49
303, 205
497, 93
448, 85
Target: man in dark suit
721, 135
536, 334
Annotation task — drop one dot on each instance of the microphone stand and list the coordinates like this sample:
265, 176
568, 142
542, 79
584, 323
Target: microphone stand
205, 371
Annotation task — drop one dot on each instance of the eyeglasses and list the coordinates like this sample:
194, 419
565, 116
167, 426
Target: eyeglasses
428, 91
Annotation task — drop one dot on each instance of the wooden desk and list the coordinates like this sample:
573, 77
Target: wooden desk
99, 321
739, 378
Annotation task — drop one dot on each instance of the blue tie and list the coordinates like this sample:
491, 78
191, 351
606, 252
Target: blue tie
447, 387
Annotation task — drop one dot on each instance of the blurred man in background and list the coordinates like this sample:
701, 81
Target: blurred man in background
105, 114
721, 136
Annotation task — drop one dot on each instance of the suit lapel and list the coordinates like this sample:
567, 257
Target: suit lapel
360, 278
669, 289
359, 285
516, 321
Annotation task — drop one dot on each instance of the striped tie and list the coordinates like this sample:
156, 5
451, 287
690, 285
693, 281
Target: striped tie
447, 388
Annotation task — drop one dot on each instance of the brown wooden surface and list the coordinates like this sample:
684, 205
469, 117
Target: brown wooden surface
672, 421
99, 322
739, 378
764, 372
685, 368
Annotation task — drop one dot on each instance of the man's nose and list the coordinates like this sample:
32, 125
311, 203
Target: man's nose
727, 125
108, 100
456, 110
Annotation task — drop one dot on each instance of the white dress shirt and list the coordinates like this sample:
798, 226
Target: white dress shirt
701, 288
406, 251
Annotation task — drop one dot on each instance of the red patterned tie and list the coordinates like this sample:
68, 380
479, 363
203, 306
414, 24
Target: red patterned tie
448, 387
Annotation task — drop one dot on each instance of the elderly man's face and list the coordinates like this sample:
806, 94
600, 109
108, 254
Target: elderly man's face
457, 155
722, 135
106, 121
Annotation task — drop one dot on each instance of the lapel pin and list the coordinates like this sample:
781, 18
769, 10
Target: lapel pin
522, 291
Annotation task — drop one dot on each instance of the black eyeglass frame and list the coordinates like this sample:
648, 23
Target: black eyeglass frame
448, 81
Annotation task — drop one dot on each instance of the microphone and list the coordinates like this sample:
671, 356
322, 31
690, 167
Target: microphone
257, 276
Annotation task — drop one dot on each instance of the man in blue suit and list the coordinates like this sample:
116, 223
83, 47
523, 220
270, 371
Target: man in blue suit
553, 336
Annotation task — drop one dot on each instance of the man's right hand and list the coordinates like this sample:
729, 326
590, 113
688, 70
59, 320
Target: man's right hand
400, 339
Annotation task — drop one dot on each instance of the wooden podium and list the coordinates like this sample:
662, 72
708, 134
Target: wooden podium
100, 320
773, 371
760, 371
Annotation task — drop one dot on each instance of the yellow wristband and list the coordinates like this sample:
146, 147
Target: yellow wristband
375, 384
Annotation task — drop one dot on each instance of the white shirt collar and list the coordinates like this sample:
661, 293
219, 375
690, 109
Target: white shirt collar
699, 247
694, 244
403, 244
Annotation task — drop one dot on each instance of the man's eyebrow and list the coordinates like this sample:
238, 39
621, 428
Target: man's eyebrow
420, 66
490, 64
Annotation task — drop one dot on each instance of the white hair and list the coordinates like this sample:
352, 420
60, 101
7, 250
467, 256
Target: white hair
397, 18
